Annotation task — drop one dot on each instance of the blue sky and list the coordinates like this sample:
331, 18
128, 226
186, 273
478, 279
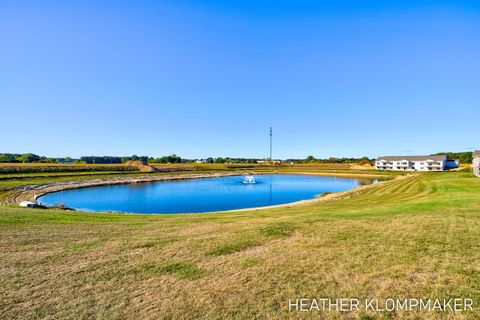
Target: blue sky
207, 78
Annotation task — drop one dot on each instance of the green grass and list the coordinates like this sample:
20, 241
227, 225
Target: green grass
412, 237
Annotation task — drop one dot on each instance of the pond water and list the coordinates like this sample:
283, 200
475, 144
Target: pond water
201, 195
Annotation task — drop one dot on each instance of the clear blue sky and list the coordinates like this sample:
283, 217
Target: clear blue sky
207, 78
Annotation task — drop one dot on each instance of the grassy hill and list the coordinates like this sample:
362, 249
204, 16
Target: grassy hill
411, 237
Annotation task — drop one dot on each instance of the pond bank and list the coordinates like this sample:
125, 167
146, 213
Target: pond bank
32, 192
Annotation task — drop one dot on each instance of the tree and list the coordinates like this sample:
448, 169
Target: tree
464, 157
28, 157
363, 161
144, 159
100, 160
47, 160
8, 157
166, 159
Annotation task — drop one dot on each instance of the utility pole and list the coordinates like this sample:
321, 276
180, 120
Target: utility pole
271, 144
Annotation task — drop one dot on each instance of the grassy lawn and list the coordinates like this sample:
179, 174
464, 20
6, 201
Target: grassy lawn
416, 237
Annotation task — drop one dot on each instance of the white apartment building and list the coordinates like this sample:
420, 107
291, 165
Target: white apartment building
476, 163
416, 163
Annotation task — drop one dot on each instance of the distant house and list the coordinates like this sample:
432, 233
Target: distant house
416, 163
476, 163
269, 162
65, 161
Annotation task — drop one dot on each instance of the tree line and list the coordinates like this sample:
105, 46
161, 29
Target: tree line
34, 158
464, 157
312, 159
173, 158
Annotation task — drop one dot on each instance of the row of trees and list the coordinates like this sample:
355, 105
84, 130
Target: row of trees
24, 158
34, 158
312, 159
112, 160
166, 159
464, 157
230, 160
173, 158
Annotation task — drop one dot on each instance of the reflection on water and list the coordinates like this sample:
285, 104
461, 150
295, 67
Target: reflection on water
365, 181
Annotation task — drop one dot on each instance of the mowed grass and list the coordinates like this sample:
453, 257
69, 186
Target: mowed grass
414, 237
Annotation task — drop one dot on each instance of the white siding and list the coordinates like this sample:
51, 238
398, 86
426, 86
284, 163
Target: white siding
408, 165
430, 165
476, 166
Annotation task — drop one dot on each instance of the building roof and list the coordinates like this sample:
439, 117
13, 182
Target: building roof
476, 153
412, 158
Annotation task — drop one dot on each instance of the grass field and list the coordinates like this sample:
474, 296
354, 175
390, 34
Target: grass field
414, 237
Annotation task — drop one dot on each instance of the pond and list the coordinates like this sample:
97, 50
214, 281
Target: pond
201, 195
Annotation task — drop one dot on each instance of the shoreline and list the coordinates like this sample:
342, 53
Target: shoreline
33, 192
325, 197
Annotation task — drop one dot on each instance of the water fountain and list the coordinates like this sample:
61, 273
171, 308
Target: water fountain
250, 179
